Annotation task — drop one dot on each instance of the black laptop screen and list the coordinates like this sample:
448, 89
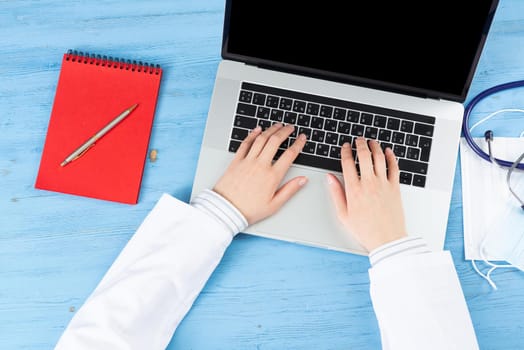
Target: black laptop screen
416, 46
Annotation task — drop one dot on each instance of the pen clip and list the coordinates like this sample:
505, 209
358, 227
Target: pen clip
83, 152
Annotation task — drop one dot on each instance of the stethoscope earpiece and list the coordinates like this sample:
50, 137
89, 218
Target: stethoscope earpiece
488, 135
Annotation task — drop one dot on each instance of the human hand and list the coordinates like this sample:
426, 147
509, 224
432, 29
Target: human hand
251, 182
369, 207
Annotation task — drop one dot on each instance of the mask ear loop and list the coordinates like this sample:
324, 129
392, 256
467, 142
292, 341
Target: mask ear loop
487, 276
489, 138
508, 180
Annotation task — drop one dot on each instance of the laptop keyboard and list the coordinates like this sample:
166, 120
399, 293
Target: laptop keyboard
328, 123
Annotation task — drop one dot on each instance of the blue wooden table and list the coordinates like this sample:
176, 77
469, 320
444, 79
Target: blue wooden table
266, 294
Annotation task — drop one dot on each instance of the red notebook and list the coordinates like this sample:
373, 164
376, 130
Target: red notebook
91, 92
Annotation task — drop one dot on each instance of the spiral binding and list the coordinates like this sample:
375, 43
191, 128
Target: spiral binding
112, 62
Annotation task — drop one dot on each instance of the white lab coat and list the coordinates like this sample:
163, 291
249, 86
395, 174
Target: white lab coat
154, 281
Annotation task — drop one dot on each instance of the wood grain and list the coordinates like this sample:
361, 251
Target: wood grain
265, 294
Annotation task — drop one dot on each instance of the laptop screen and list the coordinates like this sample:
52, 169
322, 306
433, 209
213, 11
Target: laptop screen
421, 47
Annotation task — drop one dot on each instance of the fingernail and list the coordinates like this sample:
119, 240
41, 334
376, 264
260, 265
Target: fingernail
329, 179
302, 137
302, 181
257, 129
345, 145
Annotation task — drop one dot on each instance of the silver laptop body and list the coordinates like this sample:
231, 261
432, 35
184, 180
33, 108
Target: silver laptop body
309, 217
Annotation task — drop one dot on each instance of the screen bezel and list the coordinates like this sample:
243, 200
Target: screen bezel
356, 80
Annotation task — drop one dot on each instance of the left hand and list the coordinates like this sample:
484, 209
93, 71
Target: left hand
252, 181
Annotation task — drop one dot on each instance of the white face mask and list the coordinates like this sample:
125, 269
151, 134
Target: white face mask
505, 237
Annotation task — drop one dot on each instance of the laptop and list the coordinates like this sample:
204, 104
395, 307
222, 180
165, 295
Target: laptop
397, 72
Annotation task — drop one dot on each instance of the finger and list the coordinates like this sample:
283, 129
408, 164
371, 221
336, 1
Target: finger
393, 170
287, 191
338, 196
379, 160
349, 170
288, 157
260, 141
274, 141
245, 146
364, 158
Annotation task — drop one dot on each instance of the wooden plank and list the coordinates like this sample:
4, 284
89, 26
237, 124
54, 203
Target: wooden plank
55, 248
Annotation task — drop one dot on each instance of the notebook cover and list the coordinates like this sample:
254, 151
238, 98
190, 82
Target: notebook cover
90, 93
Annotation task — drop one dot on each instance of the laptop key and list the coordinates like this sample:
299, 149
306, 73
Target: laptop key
343, 139
424, 142
290, 118
331, 138
312, 108
272, 101
425, 147
423, 129
245, 96
299, 106
366, 118
353, 116
398, 137
334, 152
319, 162
233, 145
384, 135
317, 122
385, 145
326, 111
400, 151
259, 99
277, 115
264, 124
318, 135
357, 130
411, 140
339, 114
239, 134
406, 126
393, 123
344, 128
286, 103
419, 180
263, 112
310, 147
413, 166
305, 131
405, 178
330, 125
303, 120
322, 149
246, 109
245, 122
371, 132
413, 153
380, 121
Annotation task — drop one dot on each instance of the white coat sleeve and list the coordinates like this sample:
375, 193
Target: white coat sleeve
417, 298
156, 278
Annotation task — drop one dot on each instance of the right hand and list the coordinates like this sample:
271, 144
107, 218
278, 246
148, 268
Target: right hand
369, 207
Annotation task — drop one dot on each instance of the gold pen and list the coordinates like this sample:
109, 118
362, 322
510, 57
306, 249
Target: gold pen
91, 142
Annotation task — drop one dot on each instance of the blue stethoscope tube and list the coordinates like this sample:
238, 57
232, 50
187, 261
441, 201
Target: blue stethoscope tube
467, 112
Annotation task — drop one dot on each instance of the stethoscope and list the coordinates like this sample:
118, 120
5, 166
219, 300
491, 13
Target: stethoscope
488, 135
